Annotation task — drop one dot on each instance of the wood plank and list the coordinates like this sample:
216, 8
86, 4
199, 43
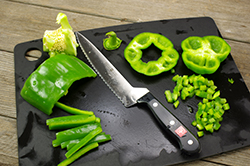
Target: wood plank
28, 22
231, 16
8, 142
7, 88
236, 157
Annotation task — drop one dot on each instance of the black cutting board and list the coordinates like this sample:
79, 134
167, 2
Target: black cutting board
138, 139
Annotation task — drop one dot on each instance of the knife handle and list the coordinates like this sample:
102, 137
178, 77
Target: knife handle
187, 141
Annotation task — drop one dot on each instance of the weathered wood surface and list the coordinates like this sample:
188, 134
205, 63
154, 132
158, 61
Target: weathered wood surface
25, 20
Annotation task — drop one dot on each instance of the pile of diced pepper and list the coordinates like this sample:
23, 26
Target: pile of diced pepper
79, 133
210, 110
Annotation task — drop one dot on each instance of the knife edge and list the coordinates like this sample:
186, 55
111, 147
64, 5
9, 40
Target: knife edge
127, 94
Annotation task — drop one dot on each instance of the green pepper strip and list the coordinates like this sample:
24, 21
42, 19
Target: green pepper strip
112, 42
100, 138
67, 122
78, 154
74, 133
84, 141
71, 110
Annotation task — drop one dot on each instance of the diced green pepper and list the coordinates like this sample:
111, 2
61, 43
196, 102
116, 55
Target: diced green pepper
176, 103
200, 133
226, 106
169, 96
216, 94
230, 80
212, 107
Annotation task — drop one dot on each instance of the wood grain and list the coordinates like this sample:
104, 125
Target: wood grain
7, 88
8, 142
229, 15
28, 22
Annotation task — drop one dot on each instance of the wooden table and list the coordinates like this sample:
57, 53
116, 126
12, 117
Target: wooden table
25, 20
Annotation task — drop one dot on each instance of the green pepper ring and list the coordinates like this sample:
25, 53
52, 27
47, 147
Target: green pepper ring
133, 54
203, 55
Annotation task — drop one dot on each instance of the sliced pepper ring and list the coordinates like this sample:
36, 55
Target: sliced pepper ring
133, 54
203, 55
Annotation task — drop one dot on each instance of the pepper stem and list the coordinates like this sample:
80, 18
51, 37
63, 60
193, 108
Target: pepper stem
112, 42
112, 37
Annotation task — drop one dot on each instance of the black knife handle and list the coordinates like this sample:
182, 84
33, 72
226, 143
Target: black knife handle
187, 141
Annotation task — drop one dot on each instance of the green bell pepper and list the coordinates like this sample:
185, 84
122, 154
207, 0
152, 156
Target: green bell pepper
112, 42
133, 54
203, 55
52, 79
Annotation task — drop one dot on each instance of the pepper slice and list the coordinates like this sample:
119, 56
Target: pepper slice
133, 54
52, 79
66, 122
74, 133
203, 55
100, 138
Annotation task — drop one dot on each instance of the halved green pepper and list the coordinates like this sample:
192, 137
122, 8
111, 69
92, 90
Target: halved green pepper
203, 55
133, 54
52, 79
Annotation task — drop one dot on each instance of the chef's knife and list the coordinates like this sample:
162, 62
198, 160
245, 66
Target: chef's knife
130, 95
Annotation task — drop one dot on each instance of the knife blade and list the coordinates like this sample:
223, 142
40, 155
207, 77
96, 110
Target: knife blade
130, 96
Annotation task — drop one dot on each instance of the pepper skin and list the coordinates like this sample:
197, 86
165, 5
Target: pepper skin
133, 54
52, 79
203, 55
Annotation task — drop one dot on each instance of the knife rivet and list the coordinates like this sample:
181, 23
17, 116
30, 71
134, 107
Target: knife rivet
155, 104
190, 142
172, 122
